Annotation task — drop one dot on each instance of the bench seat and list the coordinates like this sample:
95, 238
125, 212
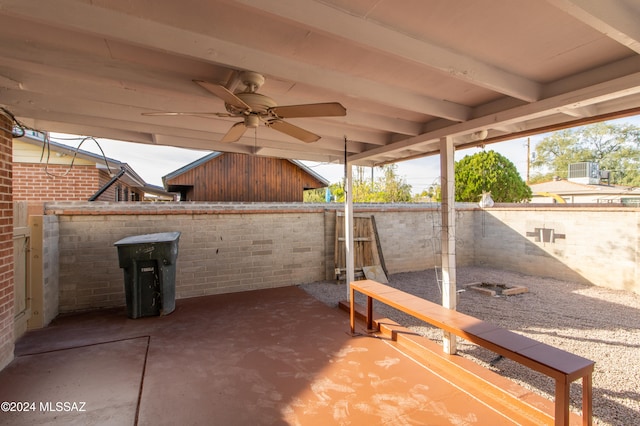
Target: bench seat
562, 366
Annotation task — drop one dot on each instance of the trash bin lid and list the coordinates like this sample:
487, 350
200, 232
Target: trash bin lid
161, 237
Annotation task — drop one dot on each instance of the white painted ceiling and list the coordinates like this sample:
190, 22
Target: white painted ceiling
409, 72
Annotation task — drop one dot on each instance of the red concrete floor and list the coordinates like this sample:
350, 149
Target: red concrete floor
267, 357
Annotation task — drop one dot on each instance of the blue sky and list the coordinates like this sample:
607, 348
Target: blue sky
152, 162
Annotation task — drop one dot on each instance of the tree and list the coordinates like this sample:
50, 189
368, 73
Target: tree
614, 147
363, 188
488, 171
390, 188
314, 195
433, 193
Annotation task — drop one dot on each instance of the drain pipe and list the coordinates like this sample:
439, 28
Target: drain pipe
108, 184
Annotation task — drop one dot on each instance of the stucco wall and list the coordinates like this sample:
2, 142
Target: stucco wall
237, 247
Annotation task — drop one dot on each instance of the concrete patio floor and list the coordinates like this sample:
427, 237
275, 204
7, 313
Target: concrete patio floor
269, 357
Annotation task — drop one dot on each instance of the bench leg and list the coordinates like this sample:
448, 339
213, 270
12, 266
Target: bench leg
562, 402
369, 313
352, 310
587, 398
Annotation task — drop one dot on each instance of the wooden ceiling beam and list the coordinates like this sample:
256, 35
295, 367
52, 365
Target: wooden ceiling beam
612, 18
330, 20
115, 25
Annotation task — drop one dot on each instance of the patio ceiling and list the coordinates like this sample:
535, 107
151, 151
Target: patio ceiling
409, 72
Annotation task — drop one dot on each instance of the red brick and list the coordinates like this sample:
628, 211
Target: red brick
6, 236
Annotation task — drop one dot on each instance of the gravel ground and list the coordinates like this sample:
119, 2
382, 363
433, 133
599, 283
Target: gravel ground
597, 323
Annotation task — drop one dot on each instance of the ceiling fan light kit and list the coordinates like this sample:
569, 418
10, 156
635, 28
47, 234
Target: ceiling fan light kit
254, 108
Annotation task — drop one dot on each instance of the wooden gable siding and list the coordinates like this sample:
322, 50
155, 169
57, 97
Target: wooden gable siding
240, 177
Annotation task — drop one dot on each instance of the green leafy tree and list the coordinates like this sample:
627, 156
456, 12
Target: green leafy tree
432, 194
314, 195
614, 147
389, 188
435, 192
337, 191
488, 171
363, 188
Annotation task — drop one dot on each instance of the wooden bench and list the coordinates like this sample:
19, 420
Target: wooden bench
562, 366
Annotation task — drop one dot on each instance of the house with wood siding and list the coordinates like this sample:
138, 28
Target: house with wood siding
44, 170
243, 178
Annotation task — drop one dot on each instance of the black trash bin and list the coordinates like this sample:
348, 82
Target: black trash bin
149, 263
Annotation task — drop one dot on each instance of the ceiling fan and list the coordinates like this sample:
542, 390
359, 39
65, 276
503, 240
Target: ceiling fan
255, 108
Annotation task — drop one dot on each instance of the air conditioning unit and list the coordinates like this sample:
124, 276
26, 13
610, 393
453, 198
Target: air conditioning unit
586, 173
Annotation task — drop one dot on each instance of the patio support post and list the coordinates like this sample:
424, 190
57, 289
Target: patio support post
348, 227
448, 235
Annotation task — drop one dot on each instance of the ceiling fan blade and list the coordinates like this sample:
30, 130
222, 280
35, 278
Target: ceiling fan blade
291, 130
224, 94
329, 109
235, 132
189, 114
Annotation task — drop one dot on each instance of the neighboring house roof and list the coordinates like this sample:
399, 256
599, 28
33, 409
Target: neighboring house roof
39, 139
130, 177
159, 192
213, 155
307, 169
565, 188
189, 166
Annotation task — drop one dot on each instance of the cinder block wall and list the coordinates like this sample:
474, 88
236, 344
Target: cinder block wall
221, 250
237, 247
50, 268
223, 247
410, 234
6, 242
598, 246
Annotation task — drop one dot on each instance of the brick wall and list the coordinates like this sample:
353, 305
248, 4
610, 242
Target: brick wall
6, 243
31, 182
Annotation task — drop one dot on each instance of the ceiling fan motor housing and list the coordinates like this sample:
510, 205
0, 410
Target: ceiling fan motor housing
255, 108
252, 121
260, 104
